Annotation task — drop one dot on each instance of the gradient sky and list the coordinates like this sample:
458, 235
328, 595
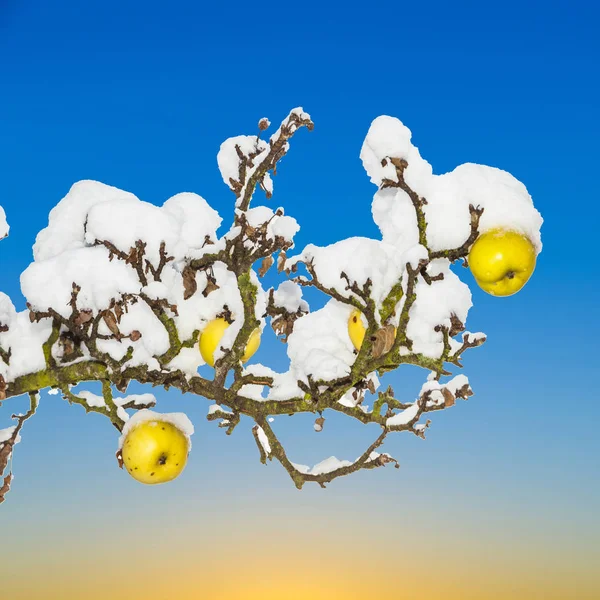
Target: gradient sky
501, 500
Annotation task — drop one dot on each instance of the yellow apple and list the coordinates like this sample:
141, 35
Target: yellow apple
211, 337
502, 261
356, 328
155, 451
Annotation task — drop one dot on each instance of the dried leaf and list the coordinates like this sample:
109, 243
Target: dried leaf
66, 341
283, 326
135, 335
464, 392
3, 387
5, 487
84, 316
371, 386
318, 426
111, 323
266, 264
118, 312
281, 258
211, 286
122, 385
456, 325
5, 452
189, 282
383, 340
132, 257
449, 399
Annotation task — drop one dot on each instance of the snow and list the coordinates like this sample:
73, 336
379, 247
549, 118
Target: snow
4, 227
6, 434
7, 311
348, 398
49, 283
137, 399
91, 399
457, 382
263, 439
325, 466
187, 361
404, 417
278, 224
435, 304
360, 259
389, 138
289, 296
95, 401
179, 420
122, 414
213, 408
25, 340
319, 345
228, 159
505, 200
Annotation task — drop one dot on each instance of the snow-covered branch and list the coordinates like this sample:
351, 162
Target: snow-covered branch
121, 290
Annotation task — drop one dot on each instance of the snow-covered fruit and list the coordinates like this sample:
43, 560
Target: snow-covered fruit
212, 334
155, 451
502, 261
356, 328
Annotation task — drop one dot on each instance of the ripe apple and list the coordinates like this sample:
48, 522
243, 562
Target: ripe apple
356, 328
211, 337
155, 451
502, 261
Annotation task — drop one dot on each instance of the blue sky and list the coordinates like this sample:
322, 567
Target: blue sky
141, 96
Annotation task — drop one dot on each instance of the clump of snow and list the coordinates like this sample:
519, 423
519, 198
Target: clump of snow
187, 361
456, 383
277, 223
404, 417
285, 386
319, 345
263, 439
213, 408
137, 399
229, 160
325, 466
4, 226
505, 200
196, 219
8, 312
353, 398
435, 304
289, 296
360, 259
389, 138
49, 283
25, 340
123, 414
6, 434
179, 420
92, 399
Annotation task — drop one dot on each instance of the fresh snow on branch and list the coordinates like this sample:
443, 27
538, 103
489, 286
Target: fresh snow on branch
122, 290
